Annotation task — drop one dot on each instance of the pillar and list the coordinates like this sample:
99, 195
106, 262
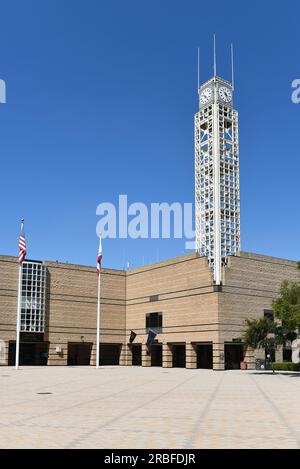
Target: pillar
218, 356
279, 354
3, 352
123, 354
250, 357
58, 353
296, 350
93, 355
190, 355
146, 357
128, 354
167, 355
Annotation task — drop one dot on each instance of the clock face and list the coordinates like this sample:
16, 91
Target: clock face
205, 95
225, 94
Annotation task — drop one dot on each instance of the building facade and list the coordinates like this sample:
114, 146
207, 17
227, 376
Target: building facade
198, 324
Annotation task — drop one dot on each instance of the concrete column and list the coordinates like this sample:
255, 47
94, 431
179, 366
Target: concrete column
93, 355
249, 358
190, 355
123, 355
218, 356
3, 352
279, 354
296, 350
58, 358
128, 357
167, 356
146, 357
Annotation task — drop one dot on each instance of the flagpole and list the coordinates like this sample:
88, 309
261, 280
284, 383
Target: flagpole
18, 319
98, 322
22, 255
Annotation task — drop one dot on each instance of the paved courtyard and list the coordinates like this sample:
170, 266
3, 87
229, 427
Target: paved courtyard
134, 407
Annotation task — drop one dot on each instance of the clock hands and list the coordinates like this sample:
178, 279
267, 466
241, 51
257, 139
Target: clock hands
225, 94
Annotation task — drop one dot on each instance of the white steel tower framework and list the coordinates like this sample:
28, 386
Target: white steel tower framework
217, 193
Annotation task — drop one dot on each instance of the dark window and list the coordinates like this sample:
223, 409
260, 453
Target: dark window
154, 322
268, 313
287, 354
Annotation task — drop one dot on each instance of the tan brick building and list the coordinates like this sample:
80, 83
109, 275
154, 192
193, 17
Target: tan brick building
198, 324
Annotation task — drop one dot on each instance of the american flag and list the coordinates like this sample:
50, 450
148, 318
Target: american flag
22, 244
99, 258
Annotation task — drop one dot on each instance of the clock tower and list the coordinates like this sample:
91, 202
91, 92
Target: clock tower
217, 193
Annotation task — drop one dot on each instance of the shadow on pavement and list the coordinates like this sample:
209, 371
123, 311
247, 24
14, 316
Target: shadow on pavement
291, 374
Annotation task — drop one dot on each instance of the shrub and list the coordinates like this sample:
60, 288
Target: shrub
286, 366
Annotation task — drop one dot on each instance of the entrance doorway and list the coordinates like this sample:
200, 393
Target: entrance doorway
234, 355
136, 354
79, 353
156, 355
204, 355
31, 353
110, 354
178, 355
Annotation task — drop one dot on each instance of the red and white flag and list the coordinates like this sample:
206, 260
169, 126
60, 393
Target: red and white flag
22, 244
99, 258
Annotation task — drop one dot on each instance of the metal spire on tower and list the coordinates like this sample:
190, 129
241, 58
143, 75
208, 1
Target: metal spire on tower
198, 69
232, 67
215, 57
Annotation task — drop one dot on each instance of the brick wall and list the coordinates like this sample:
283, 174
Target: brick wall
184, 292
9, 275
72, 306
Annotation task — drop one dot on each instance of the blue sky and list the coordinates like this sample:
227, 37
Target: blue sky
101, 97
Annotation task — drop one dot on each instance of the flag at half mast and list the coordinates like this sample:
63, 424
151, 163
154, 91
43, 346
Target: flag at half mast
99, 258
22, 244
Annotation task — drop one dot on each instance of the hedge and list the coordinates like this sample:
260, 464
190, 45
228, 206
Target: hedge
286, 366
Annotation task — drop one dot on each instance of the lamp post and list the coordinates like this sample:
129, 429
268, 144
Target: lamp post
271, 336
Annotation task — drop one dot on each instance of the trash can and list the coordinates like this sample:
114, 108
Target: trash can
268, 364
259, 364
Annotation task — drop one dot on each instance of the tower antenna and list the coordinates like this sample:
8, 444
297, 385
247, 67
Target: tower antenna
232, 67
215, 59
198, 69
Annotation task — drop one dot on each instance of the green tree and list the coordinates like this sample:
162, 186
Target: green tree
287, 306
257, 332
263, 333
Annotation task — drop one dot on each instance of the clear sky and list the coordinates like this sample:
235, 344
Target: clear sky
101, 97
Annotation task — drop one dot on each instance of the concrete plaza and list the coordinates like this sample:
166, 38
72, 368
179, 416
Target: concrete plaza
135, 407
